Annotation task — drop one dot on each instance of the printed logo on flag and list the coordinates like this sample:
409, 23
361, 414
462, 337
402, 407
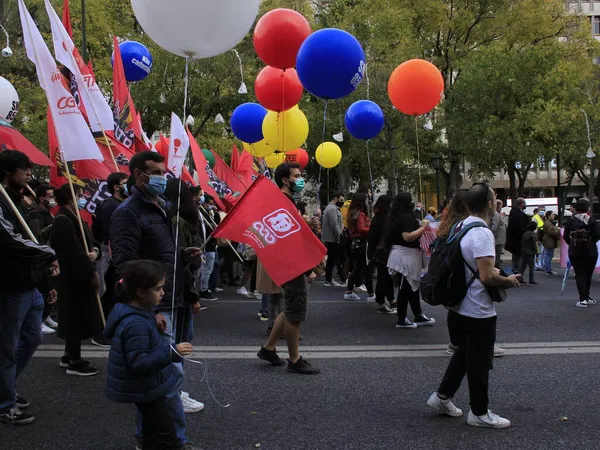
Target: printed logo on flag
277, 225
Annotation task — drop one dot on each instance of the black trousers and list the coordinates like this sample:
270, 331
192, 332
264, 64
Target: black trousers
158, 428
405, 296
385, 285
528, 261
361, 272
473, 357
584, 269
333, 260
73, 349
516, 260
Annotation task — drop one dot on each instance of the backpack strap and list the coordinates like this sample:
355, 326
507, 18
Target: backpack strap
460, 235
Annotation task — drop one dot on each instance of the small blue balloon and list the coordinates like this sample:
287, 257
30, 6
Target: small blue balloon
331, 63
137, 60
246, 122
364, 119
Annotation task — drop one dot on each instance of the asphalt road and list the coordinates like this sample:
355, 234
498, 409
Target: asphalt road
371, 393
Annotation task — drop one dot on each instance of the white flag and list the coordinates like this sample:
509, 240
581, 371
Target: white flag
179, 144
74, 137
99, 112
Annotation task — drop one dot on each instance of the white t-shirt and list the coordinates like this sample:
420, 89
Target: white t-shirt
477, 243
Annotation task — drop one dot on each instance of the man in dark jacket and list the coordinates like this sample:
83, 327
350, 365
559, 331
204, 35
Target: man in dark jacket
38, 214
23, 266
517, 226
141, 228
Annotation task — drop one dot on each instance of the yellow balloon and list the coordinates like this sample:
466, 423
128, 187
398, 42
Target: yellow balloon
328, 155
259, 149
287, 130
275, 160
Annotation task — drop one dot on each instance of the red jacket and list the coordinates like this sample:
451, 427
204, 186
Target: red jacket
363, 223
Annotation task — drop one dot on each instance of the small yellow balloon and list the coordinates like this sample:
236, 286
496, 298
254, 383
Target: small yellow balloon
259, 149
287, 130
328, 155
275, 160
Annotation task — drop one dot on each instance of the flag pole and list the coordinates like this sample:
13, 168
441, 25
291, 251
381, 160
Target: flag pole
213, 223
18, 215
66, 164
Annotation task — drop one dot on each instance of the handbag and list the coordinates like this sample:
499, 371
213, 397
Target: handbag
358, 245
497, 294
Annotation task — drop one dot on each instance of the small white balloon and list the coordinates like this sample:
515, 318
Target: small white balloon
339, 137
196, 28
219, 118
9, 100
428, 125
590, 153
243, 89
190, 120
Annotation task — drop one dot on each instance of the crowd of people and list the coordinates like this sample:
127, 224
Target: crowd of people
149, 263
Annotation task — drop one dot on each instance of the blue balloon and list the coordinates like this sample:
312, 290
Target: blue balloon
331, 63
364, 119
246, 122
137, 60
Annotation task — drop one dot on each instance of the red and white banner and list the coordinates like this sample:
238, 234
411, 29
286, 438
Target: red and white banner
98, 111
179, 144
265, 219
76, 140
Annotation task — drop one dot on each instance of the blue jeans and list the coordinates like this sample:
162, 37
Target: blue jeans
539, 259
173, 398
548, 255
206, 270
215, 276
20, 335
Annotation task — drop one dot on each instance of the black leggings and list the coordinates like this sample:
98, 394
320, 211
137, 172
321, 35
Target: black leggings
73, 349
405, 296
584, 269
360, 272
385, 284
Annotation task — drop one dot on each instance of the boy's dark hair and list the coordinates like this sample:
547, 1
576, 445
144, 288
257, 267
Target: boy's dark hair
337, 195
535, 211
532, 226
548, 214
142, 274
114, 179
582, 205
42, 190
140, 159
478, 197
63, 196
283, 171
13, 160
195, 190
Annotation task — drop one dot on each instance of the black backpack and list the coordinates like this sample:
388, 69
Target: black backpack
445, 282
580, 239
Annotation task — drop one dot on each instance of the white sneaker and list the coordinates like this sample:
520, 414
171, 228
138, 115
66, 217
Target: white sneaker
489, 420
51, 323
257, 295
444, 406
591, 301
351, 296
406, 324
47, 330
582, 304
371, 299
499, 352
242, 291
332, 284
189, 404
362, 288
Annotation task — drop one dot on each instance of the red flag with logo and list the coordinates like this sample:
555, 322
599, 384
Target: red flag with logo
224, 172
235, 158
270, 223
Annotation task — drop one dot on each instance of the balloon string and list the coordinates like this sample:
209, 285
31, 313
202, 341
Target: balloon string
370, 170
282, 113
419, 159
368, 82
323, 139
7, 36
241, 65
185, 87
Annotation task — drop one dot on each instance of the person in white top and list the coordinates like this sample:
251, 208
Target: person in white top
473, 320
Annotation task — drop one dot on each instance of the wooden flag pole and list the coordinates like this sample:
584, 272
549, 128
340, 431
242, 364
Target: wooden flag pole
18, 215
228, 241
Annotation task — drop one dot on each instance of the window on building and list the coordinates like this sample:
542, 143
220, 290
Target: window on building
596, 25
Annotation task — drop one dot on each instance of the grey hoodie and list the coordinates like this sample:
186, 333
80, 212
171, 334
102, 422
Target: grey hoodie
332, 224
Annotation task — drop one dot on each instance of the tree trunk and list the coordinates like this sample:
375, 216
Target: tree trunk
455, 179
393, 175
510, 170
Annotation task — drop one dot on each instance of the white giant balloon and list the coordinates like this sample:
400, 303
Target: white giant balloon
196, 28
9, 100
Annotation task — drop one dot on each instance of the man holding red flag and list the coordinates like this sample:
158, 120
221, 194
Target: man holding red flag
287, 249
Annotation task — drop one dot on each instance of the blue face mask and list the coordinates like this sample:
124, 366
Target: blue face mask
202, 199
298, 185
157, 184
81, 203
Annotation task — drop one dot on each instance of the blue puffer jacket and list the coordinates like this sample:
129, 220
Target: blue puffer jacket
139, 362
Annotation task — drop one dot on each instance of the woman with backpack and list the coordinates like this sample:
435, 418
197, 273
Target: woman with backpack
406, 259
582, 234
358, 225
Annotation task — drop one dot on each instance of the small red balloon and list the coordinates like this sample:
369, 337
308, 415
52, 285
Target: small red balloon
277, 89
416, 87
299, 156
278, 36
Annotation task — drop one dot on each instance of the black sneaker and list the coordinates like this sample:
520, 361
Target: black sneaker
101, 342
534, 283
82, 368
16, 417
423, 321
264, 317
302, 366
208, 297
21, 402
64, 362
271, 356
202, 307
386, 310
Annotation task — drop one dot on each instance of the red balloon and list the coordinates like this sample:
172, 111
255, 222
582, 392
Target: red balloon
277, 89
299, 156
278, 36
416, 87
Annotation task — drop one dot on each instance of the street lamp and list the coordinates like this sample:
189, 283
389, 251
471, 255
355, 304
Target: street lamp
437, 164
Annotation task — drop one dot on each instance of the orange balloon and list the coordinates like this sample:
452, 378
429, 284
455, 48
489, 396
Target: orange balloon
416, 87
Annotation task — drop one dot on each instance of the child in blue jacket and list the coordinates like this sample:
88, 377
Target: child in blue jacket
139, 363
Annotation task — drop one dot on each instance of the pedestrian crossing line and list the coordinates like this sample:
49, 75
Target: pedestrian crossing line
350, 352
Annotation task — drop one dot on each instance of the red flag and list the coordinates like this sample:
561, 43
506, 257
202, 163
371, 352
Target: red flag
11, 139
224, 172
269, 222
66, 18
235, 158
245, 168
202, 169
